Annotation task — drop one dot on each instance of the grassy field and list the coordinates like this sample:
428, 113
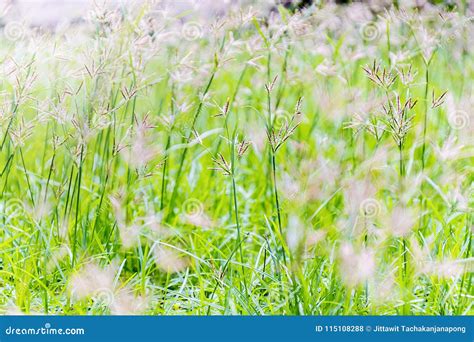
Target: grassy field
265, 161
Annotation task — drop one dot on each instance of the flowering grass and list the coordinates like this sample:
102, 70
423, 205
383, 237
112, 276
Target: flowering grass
263, 160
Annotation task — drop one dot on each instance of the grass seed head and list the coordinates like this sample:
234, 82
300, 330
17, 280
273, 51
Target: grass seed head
169, 260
